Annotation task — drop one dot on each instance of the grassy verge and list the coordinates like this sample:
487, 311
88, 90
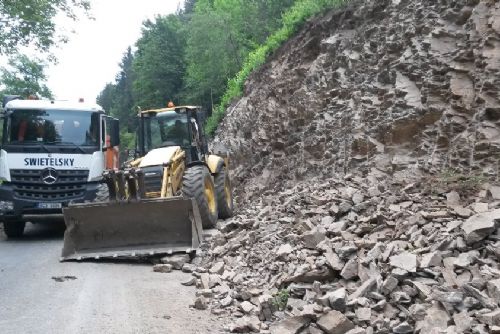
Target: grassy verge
293, 20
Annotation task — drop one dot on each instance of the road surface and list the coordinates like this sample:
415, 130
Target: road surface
104, 297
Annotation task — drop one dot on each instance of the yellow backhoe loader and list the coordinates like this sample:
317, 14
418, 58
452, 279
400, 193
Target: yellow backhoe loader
160, 201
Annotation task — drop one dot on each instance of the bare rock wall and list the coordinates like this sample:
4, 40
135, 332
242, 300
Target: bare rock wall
385, 84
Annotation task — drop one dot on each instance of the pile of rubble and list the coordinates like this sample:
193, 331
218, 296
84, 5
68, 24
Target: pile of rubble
357, 255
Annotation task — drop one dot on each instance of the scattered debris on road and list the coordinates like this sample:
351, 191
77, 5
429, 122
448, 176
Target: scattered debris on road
63, 278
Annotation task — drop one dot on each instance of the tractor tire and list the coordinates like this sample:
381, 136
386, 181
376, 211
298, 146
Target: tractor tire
224, 193
14, 229
197, 183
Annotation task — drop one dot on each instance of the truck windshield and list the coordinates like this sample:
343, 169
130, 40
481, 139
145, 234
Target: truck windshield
167, 129
53, 127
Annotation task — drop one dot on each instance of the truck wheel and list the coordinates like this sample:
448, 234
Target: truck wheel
14, 229
197, 183
224, 193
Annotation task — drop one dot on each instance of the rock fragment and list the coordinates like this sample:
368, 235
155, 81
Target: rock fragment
335, 322
479, 226
405, 261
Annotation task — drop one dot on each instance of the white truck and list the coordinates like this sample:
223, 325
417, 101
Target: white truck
52, 153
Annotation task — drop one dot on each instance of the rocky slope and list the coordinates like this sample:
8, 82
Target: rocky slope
362, 153
386, 83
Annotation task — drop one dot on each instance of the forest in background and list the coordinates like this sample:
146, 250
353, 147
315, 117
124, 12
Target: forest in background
201, 55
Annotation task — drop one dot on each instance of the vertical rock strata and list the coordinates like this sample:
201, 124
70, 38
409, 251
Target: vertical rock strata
348, 217
386, 83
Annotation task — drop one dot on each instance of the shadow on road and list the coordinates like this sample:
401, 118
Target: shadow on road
39, 232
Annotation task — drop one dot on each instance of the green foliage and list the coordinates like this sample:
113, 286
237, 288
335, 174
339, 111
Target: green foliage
159, 65
292, 20
127, 140
221, 33
280, 300
31, 22
202, 55
24, 76
453, 180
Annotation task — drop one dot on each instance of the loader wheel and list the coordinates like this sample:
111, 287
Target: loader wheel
14, 229
224, 193
197, 183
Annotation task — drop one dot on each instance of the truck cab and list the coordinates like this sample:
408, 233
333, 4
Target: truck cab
52, 153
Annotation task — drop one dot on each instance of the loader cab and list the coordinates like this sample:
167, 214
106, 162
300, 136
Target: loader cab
177, 126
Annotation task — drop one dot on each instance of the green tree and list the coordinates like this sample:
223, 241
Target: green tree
221, 34
31, 22
123, 102
24, 76
106, 97
159, 64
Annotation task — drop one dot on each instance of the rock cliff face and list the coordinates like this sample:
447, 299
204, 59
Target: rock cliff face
360, 153
391, 84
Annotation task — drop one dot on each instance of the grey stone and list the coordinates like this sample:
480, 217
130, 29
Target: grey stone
226, 301
313, 238
217, 268
205, 281
481, 207
436, 319
465, 260
405, 261
493, 287
291, 325
334, 261
403, 328
335, 322
247, 307
450, 297
491, 318
357, 198
479, 296
162, 268
176, 260
363, 313
189, 282
338, 299
188, 268
363, 289
357, 330
480, 226
284, 250
389, 284
452, 199
350, 269
462, 321
245, 324
200, 303
431, 260
494, 192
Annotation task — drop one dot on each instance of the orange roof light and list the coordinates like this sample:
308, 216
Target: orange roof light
32, 97
170, 104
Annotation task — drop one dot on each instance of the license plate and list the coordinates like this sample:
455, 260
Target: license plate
49, 205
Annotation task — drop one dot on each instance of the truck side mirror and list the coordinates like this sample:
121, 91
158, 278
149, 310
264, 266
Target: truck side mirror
114, 133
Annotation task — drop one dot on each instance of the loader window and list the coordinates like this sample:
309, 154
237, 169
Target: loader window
168, 129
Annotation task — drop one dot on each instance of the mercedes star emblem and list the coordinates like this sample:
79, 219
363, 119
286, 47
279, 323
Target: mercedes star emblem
49, 176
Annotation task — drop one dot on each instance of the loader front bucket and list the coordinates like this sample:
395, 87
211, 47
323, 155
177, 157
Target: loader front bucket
124, 230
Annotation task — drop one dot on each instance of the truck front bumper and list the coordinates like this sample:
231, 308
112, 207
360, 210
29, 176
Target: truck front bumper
20, 209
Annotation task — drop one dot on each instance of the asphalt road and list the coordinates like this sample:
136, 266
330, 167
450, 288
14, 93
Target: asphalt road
104, 297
